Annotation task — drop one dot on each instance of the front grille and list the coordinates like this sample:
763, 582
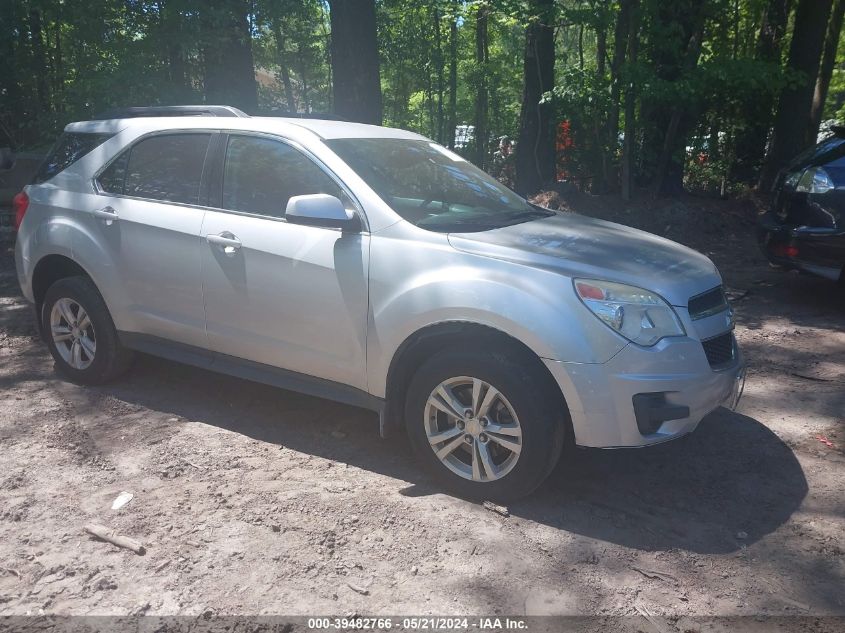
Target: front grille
719, 350
707, 303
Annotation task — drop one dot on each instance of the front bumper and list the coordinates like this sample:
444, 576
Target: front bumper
601, 396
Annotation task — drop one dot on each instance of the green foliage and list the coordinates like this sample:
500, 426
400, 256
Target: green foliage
69, 60
583, 99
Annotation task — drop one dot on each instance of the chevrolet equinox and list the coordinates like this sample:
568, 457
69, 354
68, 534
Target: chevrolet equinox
374, 267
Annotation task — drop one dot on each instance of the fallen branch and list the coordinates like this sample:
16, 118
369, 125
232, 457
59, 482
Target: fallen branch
644, 612
656, 575
105, 534
492, 507
815, 378
162, 565
358, 589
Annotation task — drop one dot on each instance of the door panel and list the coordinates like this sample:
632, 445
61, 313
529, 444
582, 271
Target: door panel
156, 247
147, 219
289, 296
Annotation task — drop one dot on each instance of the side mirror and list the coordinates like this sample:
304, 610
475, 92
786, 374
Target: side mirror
320, 209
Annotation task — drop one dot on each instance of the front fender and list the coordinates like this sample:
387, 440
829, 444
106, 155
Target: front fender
538, 308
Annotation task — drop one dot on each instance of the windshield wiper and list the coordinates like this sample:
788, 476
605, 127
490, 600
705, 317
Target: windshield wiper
524, 216
458, 227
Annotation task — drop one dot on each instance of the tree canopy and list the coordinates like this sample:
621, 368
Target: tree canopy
607, 94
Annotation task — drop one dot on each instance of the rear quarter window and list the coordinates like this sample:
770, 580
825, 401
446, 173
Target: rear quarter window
70, 147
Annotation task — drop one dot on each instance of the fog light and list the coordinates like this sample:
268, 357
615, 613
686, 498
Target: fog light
651, 411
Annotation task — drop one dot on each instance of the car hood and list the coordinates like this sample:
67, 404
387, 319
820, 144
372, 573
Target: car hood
579, 246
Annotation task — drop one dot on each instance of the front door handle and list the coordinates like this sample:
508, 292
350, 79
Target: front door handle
228, 242
106, 213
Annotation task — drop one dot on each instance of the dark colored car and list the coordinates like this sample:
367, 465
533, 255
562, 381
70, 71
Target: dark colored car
805, 227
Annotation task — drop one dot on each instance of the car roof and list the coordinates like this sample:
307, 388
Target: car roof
321, 128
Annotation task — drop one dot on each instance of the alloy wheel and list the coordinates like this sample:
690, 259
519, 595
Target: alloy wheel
73, 333
473, 429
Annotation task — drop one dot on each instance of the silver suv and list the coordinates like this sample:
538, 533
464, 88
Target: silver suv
374, 267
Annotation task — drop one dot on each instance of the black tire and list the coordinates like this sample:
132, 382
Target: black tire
111, 359
541, 415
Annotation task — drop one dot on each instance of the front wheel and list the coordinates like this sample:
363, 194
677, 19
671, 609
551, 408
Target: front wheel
485, 425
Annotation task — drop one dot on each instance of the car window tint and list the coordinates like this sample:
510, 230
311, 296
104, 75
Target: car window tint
70, 147
113, 178
262, 174
167, 167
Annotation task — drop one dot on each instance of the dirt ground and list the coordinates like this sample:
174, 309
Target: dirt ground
253, 500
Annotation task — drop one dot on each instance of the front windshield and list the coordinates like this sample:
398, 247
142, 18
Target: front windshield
432, 187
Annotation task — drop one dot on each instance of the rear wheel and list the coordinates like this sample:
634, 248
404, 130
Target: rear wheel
485, 425
80, 332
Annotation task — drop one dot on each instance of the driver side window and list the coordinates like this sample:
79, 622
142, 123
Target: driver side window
260, 175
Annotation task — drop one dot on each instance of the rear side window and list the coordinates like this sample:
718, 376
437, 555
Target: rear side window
70, 147
113, 178
166, 167
262, 174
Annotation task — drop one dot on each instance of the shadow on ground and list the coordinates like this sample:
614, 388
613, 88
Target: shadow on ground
730, 483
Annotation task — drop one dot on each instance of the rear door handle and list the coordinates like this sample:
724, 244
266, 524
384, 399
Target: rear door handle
228, 242
106, 213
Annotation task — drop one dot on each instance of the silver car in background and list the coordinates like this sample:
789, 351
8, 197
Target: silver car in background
374, 267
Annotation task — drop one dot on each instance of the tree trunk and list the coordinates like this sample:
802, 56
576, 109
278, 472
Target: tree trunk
751, 141
620, 44
481, 96
792, 120
172, 18
284, 71
581, 47
674, 46
452, 119
303, 77
670, 172
630, 102
535, 148
13, 111
601, 171
40, 59
229, 73
327, 38
439, 63
355, 61
59, 85
831, 43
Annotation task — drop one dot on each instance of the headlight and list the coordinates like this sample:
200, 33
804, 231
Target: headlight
639, 315
814, 180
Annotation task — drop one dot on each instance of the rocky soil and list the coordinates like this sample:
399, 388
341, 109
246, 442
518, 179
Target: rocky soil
253, 500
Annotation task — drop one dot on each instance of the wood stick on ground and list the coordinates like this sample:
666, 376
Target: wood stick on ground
102, 532
656, 575
489, 505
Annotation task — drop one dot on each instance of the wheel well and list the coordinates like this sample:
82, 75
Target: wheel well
430, 340
49, 270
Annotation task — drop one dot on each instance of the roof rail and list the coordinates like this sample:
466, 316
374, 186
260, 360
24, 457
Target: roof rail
323, 116
176, 110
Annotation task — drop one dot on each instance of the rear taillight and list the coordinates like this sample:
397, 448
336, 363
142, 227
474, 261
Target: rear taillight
784, 250
20, 203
